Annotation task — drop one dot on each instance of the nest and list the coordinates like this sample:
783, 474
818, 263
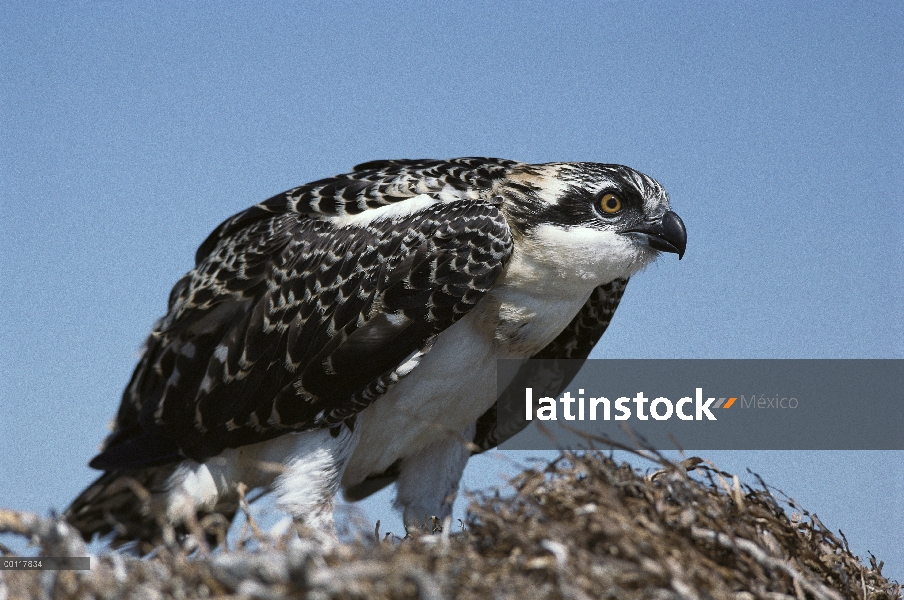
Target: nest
581, 527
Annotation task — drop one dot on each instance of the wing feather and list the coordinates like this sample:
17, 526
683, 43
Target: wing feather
292, 322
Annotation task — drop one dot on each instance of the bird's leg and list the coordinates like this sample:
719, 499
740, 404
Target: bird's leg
307, 487
428, 480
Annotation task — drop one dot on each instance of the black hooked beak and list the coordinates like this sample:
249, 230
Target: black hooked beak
666, 235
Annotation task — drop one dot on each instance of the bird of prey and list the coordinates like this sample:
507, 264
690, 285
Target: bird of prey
344, 334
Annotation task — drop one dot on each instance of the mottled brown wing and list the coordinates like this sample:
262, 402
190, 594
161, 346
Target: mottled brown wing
372, 185
291, 322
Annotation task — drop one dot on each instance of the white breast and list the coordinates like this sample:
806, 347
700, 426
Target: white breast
547, 281
455, 382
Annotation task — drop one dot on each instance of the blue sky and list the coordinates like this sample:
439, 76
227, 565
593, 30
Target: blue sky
131, 130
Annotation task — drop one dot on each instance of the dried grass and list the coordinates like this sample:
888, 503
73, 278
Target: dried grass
582, 527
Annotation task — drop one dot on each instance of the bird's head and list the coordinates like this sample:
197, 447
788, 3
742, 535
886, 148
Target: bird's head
596, 221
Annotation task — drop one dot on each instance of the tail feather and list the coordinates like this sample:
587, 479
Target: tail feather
128, 504
120, 502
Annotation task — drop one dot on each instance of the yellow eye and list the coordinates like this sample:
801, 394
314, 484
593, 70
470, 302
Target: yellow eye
610, 204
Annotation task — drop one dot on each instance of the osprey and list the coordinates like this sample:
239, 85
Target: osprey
344, 334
